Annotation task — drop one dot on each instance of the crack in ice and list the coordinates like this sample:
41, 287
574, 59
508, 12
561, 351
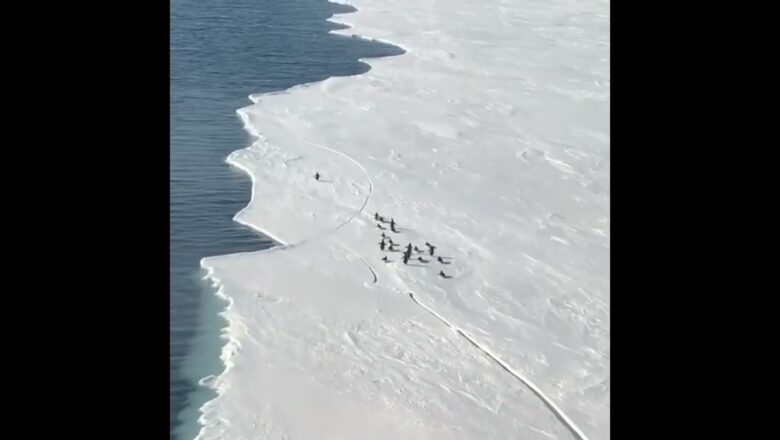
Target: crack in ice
559, 414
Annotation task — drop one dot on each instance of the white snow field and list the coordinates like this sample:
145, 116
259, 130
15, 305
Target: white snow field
490, 139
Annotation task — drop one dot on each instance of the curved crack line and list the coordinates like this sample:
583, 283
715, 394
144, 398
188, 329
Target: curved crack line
365, 173
369, 268
559, 414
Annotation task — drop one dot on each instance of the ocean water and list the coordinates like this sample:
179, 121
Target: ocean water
221, 52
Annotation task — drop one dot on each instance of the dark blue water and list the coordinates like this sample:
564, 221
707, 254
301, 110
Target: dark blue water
221, 52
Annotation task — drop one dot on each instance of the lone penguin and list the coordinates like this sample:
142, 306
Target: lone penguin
442, 274
385, 259
317, 175
442, 261
382, 245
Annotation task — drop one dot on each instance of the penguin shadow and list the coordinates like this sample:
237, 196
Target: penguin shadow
397, 229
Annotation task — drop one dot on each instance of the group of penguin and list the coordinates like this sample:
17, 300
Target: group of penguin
386, 243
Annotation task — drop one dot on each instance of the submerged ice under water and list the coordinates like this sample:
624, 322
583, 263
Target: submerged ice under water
221, 52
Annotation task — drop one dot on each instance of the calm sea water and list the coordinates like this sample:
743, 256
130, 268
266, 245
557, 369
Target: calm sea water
221, 52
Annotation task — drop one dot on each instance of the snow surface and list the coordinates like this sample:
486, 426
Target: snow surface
489, 138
